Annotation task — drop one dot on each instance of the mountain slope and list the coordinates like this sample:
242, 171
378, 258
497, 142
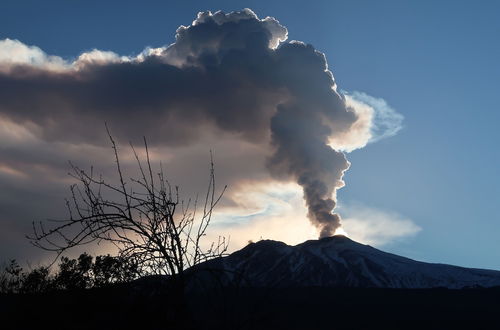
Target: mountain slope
337, 262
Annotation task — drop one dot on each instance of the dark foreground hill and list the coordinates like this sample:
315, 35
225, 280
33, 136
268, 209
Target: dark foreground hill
257, 308
333, 283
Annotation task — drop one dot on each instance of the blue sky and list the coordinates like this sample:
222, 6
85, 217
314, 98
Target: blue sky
434, 62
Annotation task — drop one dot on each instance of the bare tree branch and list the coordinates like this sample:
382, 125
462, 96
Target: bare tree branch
145, 220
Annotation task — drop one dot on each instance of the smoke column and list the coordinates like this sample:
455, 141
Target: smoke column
301, 151
231, 74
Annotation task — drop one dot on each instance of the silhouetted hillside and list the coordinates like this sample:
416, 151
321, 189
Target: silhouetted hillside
333, 283
298, 308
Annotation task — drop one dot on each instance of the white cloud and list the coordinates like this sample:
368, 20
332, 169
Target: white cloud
385, 121
14, 52
96, 56
376, 227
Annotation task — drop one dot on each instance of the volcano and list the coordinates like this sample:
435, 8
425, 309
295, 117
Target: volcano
336, 261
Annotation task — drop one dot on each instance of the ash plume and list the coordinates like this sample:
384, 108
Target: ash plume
300, 141
228, 74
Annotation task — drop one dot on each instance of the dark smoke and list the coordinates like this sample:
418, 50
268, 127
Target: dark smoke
226, 73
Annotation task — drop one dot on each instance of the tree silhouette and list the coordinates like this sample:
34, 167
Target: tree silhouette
143, 218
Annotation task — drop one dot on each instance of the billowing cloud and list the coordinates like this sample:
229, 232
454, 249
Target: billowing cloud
268, 107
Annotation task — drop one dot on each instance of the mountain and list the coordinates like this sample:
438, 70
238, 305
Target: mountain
336, 262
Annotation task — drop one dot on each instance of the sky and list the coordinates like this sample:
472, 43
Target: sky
424, 185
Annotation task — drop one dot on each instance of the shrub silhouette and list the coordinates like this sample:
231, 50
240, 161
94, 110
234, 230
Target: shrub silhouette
107, 270
11, 278
74, 273
37, 280
71, 274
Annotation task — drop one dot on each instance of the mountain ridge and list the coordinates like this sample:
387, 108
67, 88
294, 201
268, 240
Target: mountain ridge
338, 261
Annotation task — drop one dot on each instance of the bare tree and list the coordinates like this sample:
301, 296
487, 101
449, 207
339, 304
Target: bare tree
144, 218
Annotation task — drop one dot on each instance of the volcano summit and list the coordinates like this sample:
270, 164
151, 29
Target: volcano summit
338, 261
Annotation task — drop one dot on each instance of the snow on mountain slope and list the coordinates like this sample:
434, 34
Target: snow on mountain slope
339, 261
